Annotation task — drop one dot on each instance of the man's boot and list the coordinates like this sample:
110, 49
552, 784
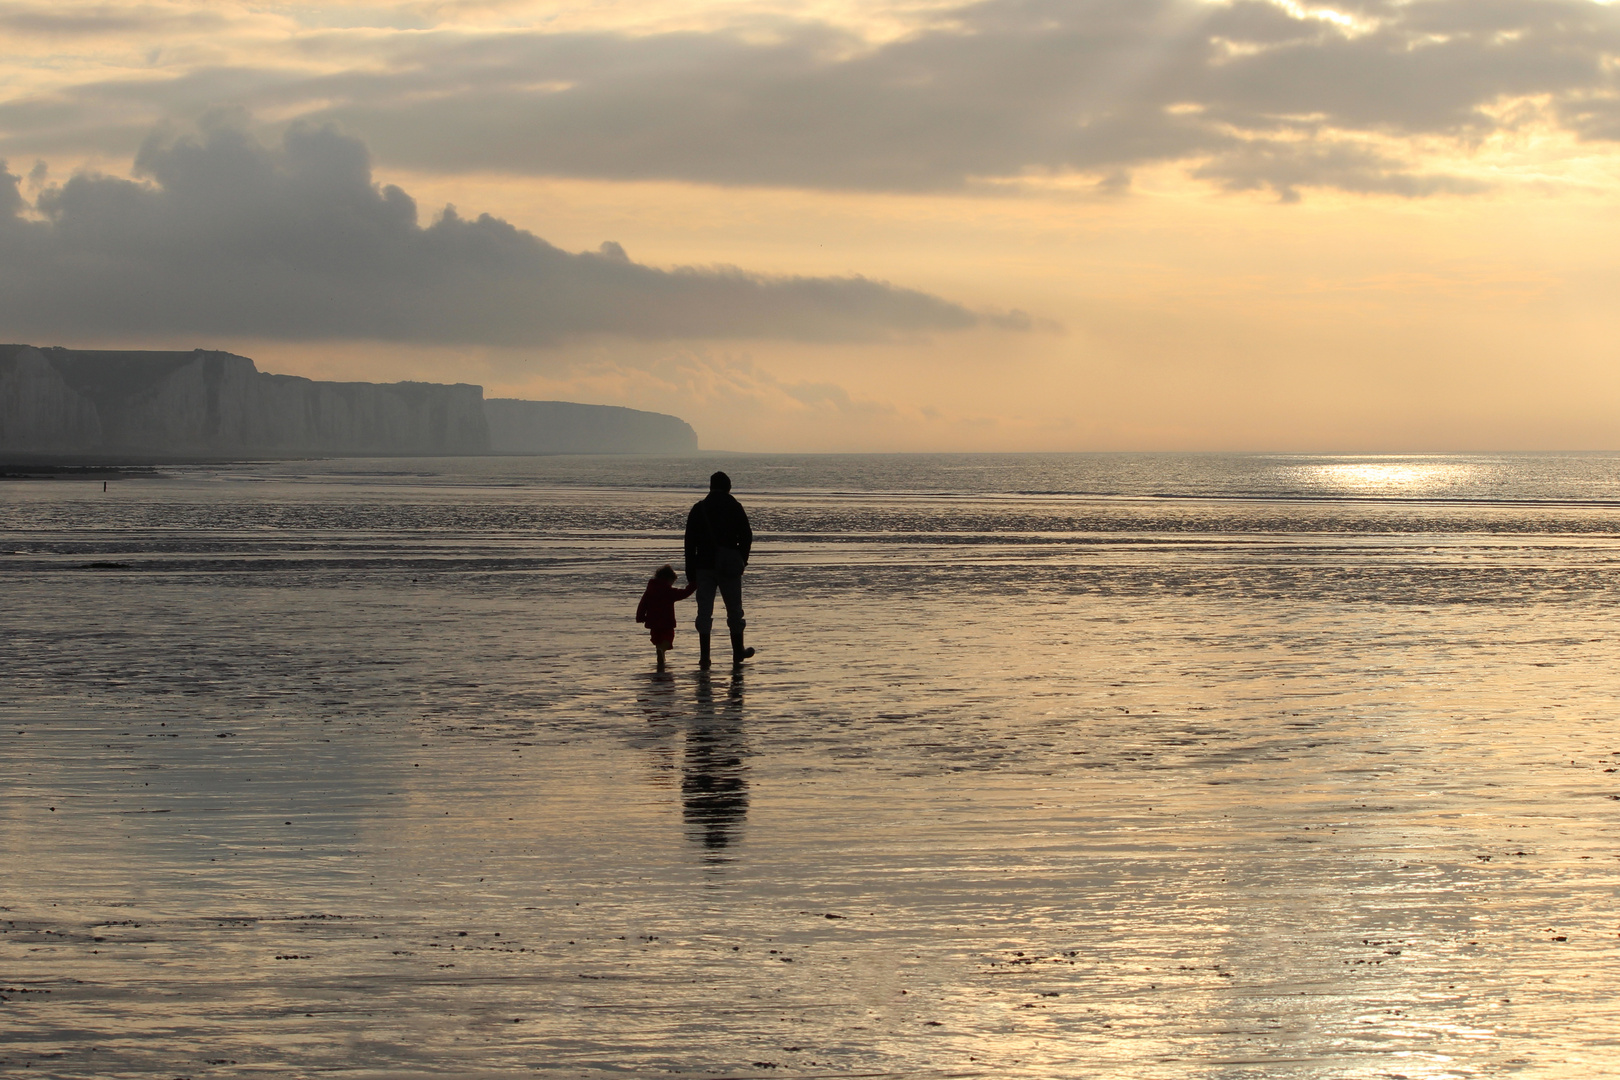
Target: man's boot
703, 649
738, 653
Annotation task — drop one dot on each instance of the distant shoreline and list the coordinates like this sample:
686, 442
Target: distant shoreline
106, 405
98, 466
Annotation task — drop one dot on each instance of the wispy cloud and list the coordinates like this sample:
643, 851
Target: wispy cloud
1249, 93
50, 20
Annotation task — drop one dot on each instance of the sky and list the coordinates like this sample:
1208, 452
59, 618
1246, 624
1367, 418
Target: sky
1372, 226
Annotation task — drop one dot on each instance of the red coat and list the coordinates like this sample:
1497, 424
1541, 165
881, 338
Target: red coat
657, 607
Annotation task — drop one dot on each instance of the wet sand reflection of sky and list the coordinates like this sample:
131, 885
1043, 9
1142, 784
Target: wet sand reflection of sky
1027, 788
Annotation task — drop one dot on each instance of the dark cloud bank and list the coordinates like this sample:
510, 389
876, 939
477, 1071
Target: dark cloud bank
1248, 94
228, 236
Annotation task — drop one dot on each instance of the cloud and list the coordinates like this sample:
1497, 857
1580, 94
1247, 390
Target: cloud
717, 382
1285, 167
103, 20
993, 90
231, 237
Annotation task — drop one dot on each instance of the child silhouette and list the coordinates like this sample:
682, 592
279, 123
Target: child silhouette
657, 609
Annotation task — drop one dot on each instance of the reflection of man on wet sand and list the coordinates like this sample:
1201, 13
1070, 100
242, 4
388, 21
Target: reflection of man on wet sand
718, 541
714, 776
714, 766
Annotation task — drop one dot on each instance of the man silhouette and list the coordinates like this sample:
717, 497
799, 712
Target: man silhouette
718, 541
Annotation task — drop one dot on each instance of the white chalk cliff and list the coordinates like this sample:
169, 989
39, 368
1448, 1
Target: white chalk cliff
210, 404
563, 427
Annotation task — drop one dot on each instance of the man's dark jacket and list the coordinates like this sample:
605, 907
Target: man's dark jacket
717, 521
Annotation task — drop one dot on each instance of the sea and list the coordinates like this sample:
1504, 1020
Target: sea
1048, 766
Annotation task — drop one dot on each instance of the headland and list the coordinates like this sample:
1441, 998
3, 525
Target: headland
206, 404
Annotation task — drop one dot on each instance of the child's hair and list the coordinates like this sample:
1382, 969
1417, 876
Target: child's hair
667, 572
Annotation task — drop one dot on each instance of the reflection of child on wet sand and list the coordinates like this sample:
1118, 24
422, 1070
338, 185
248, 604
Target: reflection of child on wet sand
657, 609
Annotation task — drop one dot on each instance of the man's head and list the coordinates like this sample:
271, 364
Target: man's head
719, 483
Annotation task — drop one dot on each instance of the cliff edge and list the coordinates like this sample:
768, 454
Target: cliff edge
563, 427
207, 404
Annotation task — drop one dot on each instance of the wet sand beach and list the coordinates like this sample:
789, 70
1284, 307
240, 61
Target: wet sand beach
364, 771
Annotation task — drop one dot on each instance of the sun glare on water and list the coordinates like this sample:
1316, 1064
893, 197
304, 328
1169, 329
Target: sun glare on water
1401, 477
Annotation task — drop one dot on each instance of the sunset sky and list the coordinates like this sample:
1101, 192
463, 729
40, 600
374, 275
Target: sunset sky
1086, 225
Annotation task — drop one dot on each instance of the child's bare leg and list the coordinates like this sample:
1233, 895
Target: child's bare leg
662, 649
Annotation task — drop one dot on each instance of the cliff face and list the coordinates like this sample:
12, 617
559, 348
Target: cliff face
38, 410
205, 404
209, 404
562, 427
